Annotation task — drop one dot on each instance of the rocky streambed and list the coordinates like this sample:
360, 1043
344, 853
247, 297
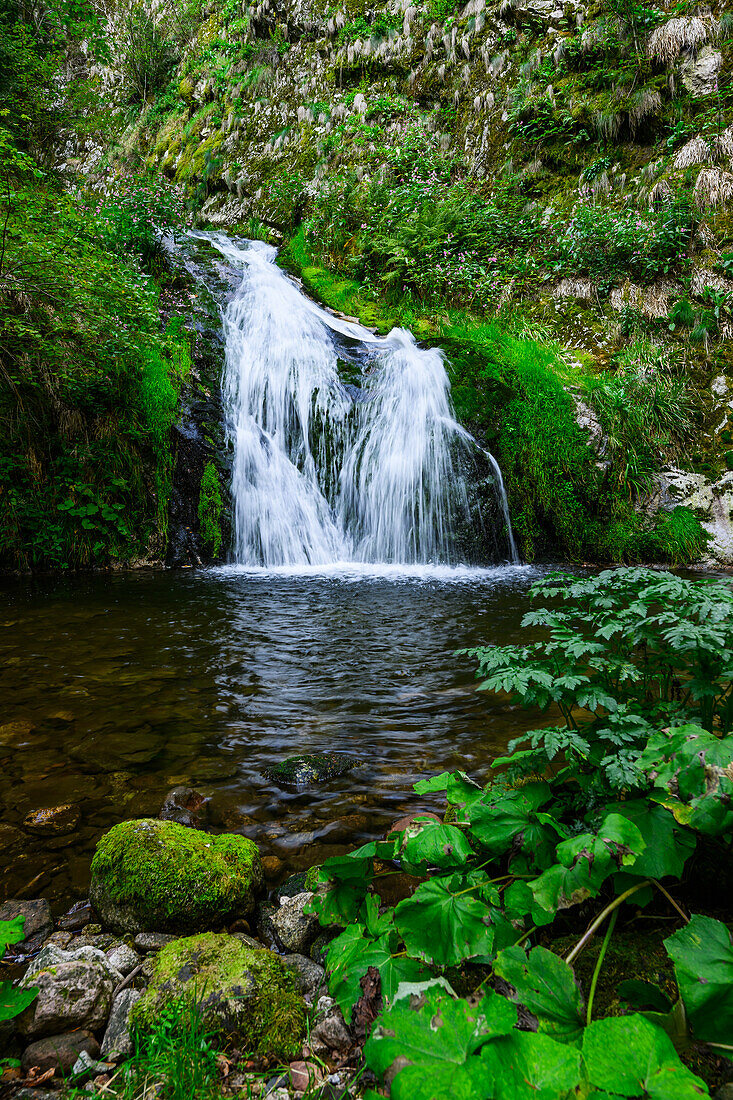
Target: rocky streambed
176, 915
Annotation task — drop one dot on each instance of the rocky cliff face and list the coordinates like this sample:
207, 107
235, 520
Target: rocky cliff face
598, 134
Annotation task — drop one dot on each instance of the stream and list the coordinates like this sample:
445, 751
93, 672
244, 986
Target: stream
117, 688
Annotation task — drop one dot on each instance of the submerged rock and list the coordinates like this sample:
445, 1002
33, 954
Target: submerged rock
244, 994
53, 820
157, 875
185, 806
301, 771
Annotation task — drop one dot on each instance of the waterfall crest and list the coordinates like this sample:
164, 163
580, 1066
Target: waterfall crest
324, 472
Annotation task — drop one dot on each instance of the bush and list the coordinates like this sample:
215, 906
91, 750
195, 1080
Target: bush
149, 56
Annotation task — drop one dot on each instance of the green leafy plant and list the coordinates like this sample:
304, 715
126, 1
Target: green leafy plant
12, 1000
210, 508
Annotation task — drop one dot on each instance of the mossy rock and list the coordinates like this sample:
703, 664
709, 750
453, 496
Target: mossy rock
245, 995
309, 768
152, 875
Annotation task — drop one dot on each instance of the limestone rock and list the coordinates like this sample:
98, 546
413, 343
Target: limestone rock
330, 1033
700, 74
243, 993
152, 941
294, 928
117, 1042
85, 1067
75, 993
158, 875
712, 502
59, 1052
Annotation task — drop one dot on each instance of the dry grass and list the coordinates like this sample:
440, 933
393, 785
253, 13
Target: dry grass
680, 35
695, 152
659, 194
713, 188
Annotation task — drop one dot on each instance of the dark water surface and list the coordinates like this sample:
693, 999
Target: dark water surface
113, 689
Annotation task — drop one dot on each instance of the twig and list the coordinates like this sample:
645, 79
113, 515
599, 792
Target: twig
671, 900
126, 981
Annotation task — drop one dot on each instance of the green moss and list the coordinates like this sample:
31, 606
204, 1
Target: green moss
210, 509
157, 875
244, 994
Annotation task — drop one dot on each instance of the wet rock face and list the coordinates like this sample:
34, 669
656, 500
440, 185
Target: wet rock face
308, 769
153, 875
244, 994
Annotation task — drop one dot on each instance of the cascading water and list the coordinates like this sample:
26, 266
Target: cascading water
325, 472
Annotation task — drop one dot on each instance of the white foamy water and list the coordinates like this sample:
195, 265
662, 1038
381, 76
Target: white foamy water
324, 473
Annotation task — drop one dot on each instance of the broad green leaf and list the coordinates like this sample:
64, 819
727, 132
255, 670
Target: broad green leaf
546, 985
429, 1053
628, 1056
13, 1001
702, 953
508, 819
586, 861
436, 845
11, 931
459, 789
667, 846
529, 1066
444, 925
352, 953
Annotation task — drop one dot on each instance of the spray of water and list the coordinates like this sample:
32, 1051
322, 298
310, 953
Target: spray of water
323, 474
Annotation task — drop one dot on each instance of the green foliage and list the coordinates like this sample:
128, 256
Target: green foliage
628, 652
89, 393
13, 1001
702, 953
210, 508
178, 1054
148, 55
624, 651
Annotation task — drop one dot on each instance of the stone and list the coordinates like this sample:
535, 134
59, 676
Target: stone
294, 928
74, 990
117, 1042
307, 769
11, 838
78, 916
38, 922
123, 958
700, 74
329, 1034
53, 821
308, 974
152, 941
185, 806
58, 1052
294, 884
59, 939
85, 1067
243, 994
305, 1075
159, 875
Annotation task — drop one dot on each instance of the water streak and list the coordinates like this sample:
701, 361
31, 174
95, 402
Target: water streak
324, 472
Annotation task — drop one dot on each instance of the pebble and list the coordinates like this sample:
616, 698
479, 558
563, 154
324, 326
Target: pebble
53, 820
152, 941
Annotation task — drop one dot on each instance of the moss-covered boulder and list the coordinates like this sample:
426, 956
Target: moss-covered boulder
245, 995
159, 876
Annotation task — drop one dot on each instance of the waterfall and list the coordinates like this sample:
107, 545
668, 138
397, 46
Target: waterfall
325, 472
